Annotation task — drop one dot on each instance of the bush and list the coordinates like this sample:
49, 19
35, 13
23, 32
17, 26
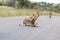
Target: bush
1, 3
9, 3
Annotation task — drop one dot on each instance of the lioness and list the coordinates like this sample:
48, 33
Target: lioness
31, 21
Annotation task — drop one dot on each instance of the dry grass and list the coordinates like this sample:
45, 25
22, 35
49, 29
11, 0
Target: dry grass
9, 11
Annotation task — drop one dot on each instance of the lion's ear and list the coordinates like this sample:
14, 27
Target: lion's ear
33, 14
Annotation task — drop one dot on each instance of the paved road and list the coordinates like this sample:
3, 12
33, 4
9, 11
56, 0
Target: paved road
49, 29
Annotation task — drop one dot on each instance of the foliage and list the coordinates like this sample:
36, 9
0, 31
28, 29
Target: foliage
26, 4
1, 3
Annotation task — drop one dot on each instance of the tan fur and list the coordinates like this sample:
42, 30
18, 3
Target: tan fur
31, 21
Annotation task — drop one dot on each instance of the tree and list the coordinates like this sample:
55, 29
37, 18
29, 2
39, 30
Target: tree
11, 3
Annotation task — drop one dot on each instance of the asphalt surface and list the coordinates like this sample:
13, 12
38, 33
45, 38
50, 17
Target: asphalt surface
48, 29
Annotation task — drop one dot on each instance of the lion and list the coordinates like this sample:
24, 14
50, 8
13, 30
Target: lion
31, 21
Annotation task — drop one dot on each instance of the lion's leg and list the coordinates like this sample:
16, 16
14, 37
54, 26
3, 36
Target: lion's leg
24, 23
36, 24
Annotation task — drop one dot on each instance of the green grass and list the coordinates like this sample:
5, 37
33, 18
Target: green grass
10, 11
